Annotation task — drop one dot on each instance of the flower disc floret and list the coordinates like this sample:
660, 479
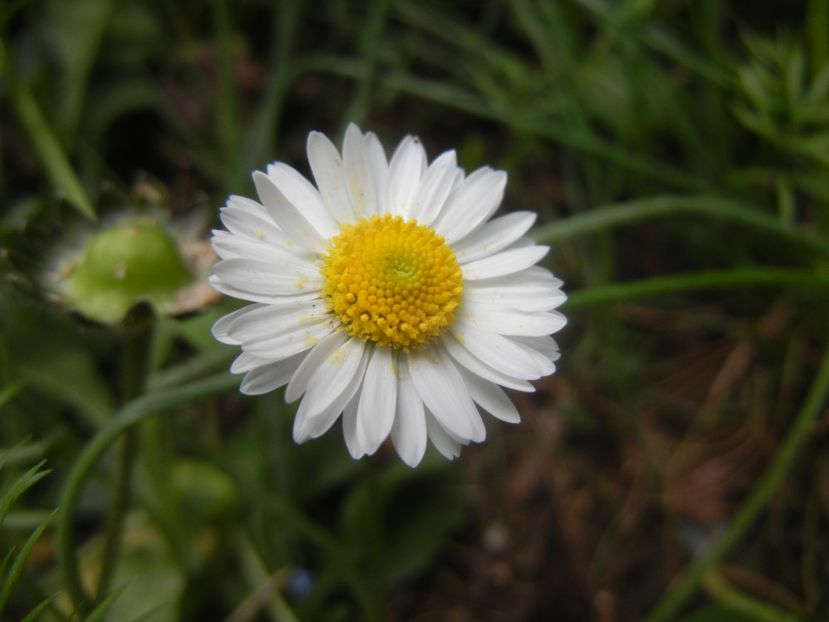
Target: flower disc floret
392, 281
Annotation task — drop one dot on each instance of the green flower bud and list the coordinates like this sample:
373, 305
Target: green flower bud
122, 266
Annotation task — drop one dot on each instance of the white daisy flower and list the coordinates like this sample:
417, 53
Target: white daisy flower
386, 294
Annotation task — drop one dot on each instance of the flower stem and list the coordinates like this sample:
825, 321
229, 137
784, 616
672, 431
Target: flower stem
135, 352
119, 502
668, 607
125, 419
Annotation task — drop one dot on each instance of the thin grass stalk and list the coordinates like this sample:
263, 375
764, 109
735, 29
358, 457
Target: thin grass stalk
708, 279
663, 206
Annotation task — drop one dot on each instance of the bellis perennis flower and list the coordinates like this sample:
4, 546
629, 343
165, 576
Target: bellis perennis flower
386, 294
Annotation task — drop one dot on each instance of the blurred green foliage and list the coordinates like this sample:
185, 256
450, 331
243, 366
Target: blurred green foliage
706, 124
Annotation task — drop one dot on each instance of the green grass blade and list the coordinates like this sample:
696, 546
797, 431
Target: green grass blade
817, 29
34, 614
77, 30
576, 138
745, 516
608, 216
227, 109
469, 102
6, 561
370, 49
658, 38
9, 392
261, 137
98, 614
25, 520
23, 452
713, 279
19, 561
43, 139
21, 485
755, 609
200, 365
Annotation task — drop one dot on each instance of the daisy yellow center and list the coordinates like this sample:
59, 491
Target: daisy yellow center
391, 281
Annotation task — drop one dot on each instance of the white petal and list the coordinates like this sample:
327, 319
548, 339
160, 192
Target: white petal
262, 321
318, 354
532, 277
434, 188
299, 339
358, 171
440, 386
245, 362
507, 296
479, 368
352, 442
505, 262
378, 399
227, 246
405, 170
511, 322
271, 376
500, 352
327, 166
491, 398
246, 206
249, 219
220, 327
307, 425
471, 203
445, 444
493, 236
460, 176
285, 279
533, 289
288, 216
546, 346
302, 194
379, 168
409, 430
242, 294
337, 378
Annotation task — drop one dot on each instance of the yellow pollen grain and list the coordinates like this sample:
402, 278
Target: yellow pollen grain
391, 281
